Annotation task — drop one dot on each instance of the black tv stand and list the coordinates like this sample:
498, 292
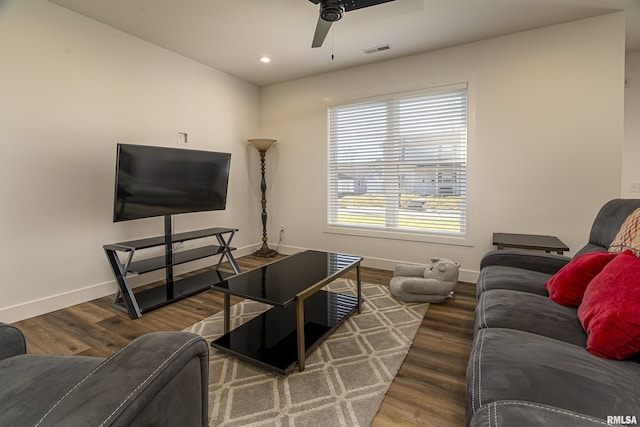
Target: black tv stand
137, 303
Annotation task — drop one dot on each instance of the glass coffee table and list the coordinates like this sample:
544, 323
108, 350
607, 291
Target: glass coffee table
302, 313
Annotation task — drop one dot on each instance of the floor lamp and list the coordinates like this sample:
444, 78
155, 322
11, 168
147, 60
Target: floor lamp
262, 145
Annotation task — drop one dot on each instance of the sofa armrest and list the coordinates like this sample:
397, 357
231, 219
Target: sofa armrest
409, 270
12, 342
158, 379
522, 413
530, 260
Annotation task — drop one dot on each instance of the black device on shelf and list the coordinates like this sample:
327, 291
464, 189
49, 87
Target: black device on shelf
159, 181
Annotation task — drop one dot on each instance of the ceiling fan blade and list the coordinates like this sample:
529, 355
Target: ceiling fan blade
322, 28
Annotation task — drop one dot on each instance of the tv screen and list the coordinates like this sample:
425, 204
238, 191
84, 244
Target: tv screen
159, 181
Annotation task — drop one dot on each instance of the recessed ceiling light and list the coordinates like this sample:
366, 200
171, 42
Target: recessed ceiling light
264, 59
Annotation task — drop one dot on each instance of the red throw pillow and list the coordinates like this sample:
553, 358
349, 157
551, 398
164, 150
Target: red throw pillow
567, 286
610, 309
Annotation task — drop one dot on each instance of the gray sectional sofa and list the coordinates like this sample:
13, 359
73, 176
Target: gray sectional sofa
159, 379
528, 365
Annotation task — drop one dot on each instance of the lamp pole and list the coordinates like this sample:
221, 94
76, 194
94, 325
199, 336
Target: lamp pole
262, 145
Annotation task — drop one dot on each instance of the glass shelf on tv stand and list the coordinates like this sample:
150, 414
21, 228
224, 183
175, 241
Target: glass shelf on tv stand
138, 302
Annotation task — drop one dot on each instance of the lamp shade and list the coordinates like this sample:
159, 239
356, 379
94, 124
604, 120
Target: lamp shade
262, 144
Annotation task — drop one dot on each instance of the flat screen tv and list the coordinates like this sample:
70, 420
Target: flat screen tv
160, 181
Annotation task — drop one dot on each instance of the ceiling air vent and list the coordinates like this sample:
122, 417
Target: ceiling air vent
376, 49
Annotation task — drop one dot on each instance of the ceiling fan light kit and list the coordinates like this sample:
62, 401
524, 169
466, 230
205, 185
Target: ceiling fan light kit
332, 11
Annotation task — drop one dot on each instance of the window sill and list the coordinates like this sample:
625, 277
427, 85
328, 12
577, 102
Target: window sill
400, 235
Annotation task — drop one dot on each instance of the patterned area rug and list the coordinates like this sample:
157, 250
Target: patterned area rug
345, 379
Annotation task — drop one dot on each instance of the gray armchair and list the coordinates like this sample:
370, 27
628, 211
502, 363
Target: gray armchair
159, 379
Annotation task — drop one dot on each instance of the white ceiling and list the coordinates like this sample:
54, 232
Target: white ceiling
230, 35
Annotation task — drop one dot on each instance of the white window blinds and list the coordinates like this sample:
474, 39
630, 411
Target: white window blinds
400, 163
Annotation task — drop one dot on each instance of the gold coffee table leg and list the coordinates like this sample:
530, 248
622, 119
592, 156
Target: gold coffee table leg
300, 330
227, 314
359, 286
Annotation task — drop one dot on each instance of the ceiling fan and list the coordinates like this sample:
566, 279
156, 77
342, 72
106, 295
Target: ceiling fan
332, 10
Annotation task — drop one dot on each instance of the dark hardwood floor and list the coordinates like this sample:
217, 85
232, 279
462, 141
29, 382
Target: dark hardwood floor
429, 389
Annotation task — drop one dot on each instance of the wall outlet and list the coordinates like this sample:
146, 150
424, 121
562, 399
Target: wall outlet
634, 187
183, 138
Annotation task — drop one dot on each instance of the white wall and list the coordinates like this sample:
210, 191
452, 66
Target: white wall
70, 88
548, 137
548, 143
631, 158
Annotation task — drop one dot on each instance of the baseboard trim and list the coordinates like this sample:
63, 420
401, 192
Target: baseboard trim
40, 306
51, 303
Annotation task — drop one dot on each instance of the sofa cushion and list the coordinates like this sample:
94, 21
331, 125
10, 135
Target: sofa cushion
528, 260
610, 310
628, 237
31, 384
567, 286
517, 279
503, 308
506, 364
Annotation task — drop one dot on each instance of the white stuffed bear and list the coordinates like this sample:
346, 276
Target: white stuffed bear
415, 283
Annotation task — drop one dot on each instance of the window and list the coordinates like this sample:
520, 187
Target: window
399, 163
